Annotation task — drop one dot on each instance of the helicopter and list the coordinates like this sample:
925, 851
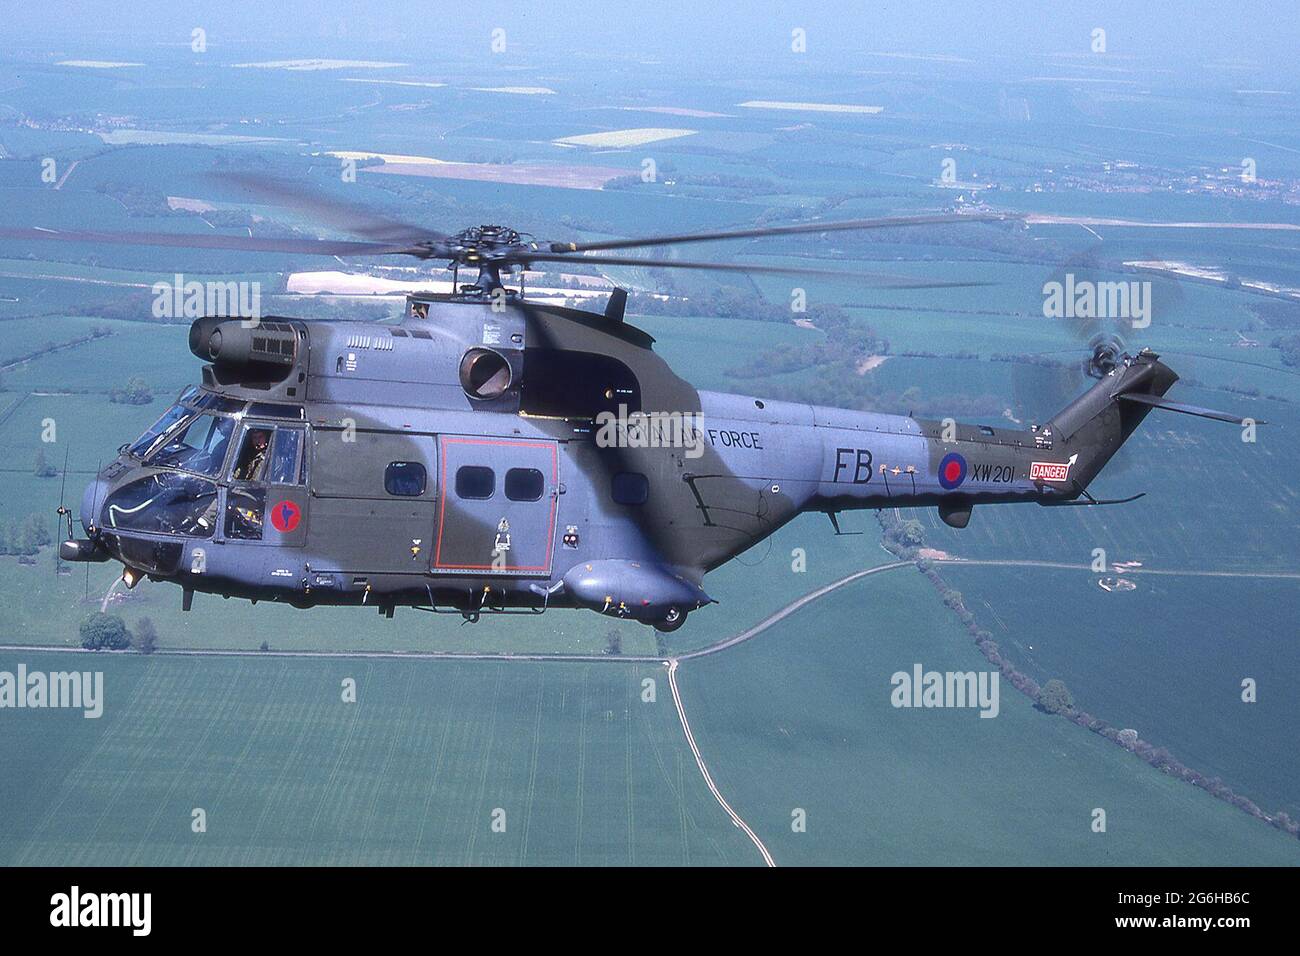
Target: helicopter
492, 454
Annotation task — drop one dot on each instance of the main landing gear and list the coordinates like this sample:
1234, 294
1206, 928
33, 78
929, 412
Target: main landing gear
673, 618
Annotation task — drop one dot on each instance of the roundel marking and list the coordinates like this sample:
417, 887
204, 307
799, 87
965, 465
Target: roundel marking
285, 516
952, 470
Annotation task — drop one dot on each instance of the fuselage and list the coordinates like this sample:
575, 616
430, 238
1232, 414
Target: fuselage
471, 459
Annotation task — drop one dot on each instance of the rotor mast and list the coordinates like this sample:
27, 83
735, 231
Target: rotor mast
481, 246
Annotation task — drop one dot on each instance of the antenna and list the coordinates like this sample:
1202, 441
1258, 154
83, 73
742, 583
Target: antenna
63, 513
94, 507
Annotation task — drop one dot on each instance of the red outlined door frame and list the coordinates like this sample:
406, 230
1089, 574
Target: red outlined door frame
552, 492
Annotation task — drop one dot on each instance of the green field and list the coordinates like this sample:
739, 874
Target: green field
584, 769
801, 718
410, 774
1139, 660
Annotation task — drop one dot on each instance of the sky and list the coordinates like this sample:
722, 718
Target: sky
1179, 33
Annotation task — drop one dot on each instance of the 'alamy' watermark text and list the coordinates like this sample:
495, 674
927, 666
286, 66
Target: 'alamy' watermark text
180, 299
1086, 299
76, 908
77, 690
626, 429
922, 688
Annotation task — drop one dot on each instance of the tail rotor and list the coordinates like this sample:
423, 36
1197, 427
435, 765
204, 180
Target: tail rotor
1107, 350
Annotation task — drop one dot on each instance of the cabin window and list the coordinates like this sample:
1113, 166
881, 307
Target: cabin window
524, 484
475, 481
405, 478
630, 488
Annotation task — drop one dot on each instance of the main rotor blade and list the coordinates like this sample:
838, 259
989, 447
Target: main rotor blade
321, 207
198, 240
885, 281
760, 231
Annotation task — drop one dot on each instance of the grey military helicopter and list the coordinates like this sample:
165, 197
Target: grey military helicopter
492, 454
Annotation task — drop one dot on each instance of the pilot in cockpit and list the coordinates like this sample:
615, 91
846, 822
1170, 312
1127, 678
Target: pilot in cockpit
252, 455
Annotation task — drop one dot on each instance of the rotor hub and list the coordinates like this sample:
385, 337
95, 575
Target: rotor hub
478, 243
489, 248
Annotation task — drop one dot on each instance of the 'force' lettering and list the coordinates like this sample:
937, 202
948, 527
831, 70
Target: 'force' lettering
734, 439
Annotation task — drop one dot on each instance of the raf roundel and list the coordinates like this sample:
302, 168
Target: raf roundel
952, 470
285, 516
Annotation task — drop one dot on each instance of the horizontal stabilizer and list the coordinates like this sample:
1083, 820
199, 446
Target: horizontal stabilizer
1156, 401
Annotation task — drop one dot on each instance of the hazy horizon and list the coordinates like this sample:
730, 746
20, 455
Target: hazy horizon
1184, 36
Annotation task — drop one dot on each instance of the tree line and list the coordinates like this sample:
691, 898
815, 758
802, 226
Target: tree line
26, 537
108, 632
904, 539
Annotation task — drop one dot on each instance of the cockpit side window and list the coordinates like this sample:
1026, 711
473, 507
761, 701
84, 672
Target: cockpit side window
251, 460
285, 452
245, 510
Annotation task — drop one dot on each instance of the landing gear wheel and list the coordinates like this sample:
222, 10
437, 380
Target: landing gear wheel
671, 621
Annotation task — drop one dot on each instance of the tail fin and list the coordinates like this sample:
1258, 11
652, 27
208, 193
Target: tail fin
1096, 423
